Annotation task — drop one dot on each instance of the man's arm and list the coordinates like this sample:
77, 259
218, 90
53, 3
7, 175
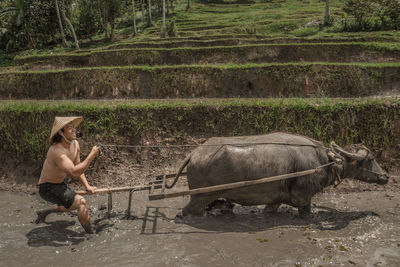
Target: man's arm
66, 165
82, 177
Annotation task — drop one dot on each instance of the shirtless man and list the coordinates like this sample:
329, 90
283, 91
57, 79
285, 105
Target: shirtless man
62, 159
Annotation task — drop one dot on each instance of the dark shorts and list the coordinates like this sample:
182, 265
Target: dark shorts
59, 194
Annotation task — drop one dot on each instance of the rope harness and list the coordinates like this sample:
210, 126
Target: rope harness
206, 145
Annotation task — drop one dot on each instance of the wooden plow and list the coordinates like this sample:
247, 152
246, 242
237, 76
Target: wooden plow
160, 181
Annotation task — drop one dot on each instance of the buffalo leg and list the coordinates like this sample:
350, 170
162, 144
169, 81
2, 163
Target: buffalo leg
272, 208
305, 211
197, 205
224, 205
301, 200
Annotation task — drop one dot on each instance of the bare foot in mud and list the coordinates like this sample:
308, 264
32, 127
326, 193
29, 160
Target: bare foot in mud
88, 229
41, 216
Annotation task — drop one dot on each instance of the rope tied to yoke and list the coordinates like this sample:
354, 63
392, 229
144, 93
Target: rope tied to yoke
205, 145
337, 162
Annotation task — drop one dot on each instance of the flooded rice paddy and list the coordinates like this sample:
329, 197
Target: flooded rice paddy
346, 229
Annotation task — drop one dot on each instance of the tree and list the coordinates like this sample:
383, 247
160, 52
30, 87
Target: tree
17, 22
103, 6
40, 19
149, 22
64, 41
360, 9
134, 18
109, 10
163, 30
327, 18
114, 10
70, 25
167, 7
142, 1
88, 17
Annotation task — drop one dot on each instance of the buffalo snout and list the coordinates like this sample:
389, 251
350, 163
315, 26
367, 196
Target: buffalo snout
383, 179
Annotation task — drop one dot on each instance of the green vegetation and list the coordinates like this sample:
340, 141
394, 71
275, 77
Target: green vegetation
369, 120
370, 15
240, 48
286, 18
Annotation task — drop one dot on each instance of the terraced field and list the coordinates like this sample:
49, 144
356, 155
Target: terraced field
238, 68
296, 69
224, 51
252, 49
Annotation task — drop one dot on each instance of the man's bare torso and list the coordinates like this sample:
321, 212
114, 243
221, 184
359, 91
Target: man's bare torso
51, 172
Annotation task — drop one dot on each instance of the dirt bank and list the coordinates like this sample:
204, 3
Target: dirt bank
181, 81
359, 52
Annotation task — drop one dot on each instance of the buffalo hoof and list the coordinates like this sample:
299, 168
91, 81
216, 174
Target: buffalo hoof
219, 207
305, 212
271, 209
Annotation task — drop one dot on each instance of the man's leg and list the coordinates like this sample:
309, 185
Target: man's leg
42, 214
83, 213
79, 204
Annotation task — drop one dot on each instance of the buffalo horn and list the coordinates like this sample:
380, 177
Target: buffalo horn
360, 155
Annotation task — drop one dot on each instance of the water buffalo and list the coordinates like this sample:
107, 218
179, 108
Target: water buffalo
223, 160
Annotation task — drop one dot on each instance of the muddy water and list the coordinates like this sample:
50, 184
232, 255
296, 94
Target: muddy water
359, 229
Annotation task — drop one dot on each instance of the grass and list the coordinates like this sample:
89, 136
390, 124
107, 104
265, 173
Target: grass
366, 45
343, 120
207, 66
43, 105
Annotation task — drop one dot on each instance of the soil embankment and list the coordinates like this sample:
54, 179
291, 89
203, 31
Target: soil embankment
324, 52
219, 81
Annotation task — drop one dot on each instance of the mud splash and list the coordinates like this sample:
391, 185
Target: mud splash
360, 228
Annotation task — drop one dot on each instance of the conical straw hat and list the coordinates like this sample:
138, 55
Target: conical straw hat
61, 122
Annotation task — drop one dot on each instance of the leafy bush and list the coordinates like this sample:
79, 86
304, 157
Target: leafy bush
6, 59
12, 39
371, 15
88, 18
40, 19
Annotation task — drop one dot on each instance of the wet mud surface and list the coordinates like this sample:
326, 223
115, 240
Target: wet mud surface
346, 229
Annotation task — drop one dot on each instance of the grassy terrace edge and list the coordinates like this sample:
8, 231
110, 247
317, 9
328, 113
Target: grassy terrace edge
334, 52
373, 121
207, 66
219, 80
